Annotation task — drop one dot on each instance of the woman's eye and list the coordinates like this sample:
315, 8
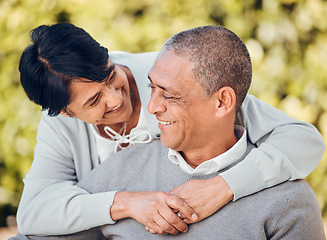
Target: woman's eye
95, 102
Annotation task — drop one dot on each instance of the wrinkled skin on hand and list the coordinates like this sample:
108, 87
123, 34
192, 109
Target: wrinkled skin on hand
154, 210
204, 196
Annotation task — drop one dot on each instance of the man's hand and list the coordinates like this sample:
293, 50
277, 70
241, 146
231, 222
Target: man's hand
204, 196
154, 210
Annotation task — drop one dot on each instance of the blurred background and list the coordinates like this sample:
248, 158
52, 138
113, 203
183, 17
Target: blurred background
287, 40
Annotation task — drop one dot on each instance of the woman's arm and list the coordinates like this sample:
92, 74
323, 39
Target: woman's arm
51, 202
287, 149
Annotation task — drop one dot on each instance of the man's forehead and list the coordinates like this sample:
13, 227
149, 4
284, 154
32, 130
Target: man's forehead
168, 65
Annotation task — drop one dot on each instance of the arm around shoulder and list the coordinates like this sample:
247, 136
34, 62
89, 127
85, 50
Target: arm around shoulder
287, 149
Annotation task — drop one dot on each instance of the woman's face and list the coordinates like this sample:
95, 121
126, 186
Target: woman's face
108, 102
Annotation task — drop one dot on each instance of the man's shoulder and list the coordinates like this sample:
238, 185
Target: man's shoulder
287, 190
279, 202
289, 194
135, 156
293, 188
141, 151
124, 166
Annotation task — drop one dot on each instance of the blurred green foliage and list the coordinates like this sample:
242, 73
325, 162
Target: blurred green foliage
287, 40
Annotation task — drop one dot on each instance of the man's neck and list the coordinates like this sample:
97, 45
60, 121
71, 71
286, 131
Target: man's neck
194, 157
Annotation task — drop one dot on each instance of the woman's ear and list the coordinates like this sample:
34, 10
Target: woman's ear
226, 100
64, 113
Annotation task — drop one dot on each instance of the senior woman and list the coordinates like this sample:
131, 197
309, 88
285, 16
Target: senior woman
95, 105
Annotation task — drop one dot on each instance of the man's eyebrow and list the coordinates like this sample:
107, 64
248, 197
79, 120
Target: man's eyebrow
108, 78
161, 87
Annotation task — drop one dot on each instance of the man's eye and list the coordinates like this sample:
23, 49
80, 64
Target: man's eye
167, 97
152, 88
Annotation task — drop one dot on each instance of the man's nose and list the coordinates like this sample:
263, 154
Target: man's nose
156, 104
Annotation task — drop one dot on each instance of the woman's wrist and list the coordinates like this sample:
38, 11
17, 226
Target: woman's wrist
221, 185
119, 208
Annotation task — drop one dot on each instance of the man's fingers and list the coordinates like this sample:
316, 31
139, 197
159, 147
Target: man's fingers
173, 220
174, 191
166, 224
178, 204
155, 210
150, 230
154, 227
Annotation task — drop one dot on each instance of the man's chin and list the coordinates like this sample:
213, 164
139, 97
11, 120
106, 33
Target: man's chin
166, 141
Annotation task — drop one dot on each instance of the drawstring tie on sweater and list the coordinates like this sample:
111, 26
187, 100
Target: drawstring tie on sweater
142, 136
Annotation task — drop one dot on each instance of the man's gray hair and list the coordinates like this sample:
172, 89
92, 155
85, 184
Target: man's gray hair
220, 59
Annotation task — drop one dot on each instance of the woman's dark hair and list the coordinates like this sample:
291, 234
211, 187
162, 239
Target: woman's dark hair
59, 54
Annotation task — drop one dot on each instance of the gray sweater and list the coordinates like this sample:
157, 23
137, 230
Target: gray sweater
286, 211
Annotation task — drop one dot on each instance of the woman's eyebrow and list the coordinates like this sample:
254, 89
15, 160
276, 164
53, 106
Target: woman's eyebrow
110, 76
112, 72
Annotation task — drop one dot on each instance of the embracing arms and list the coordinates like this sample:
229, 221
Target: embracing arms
53, 204
287, 149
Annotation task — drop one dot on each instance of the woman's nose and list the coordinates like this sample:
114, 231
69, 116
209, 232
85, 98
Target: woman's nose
113, 97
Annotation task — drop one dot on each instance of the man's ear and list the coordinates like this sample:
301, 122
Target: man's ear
226, 101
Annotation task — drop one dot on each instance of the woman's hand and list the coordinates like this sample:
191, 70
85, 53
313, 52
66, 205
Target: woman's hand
205, 197
154, 210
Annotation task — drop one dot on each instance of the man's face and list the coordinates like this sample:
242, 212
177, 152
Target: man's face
179, 103
107, 103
